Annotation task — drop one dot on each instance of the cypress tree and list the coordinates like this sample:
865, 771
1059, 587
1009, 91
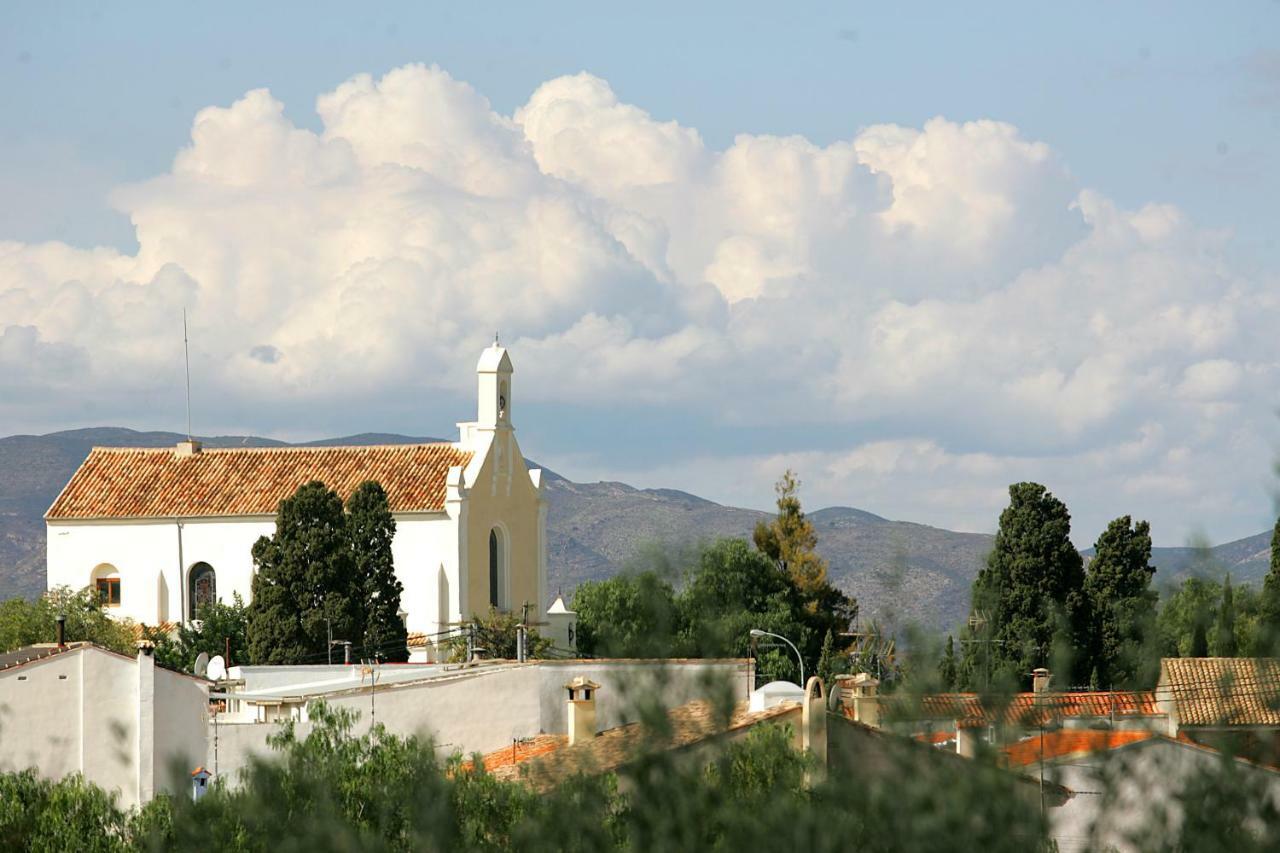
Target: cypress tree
1225, 633
1030, 595
947, 666
1121, 600
1199, 641
1269, 606
370, 528
304, 582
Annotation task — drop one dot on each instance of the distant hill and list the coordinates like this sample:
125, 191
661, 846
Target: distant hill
899, 571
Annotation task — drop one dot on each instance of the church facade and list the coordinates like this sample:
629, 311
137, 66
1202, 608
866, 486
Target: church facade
159, 531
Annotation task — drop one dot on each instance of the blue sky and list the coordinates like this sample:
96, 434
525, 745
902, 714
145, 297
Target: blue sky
1172, 108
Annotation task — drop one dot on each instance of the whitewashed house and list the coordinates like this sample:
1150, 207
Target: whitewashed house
124, 723
160, 531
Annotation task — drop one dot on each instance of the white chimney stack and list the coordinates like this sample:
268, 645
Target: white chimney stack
582, 709
1040, 683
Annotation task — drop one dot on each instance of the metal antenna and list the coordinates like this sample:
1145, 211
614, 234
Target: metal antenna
186, 355
495, 339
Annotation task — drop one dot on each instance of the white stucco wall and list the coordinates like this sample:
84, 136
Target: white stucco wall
78, 711
1151, 774
484, 708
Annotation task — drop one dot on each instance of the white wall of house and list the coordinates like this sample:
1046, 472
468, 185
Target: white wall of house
82, 711
484, 708
1149, 775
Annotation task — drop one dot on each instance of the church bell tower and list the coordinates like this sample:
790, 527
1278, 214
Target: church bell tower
493, 375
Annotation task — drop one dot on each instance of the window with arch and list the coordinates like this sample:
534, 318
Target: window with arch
495, 568
106, 581
202, 588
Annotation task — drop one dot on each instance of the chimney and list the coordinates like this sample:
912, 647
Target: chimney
1040, 683
860, 693
187, 447
582, 710
62, 630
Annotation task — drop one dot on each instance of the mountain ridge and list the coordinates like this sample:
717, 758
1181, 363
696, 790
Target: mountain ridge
900, 571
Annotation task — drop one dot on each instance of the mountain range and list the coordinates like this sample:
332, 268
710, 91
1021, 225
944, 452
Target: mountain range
900, 572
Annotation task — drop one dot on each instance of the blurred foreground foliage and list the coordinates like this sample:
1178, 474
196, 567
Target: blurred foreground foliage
334, 788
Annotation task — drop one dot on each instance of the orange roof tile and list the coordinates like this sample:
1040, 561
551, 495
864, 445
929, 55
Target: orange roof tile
1028, 708
1064, 742
158, 483
1223, 691
520, 751
690, 723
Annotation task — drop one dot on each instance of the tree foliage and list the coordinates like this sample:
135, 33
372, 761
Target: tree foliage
219, 629
495, 636
1122, 604
1224, 635
1029, 598
370, 530
23, 622
1269, 605
633, 614
790, 541
326, 573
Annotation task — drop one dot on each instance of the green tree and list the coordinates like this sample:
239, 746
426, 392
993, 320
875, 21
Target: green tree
1186, 617
23, 622
494, 634
1224, 635
947, 670
1122, 603
629, 615
790, 540
305, 585
45, 816
1269, 605
371, 528
1029, 599
219, 629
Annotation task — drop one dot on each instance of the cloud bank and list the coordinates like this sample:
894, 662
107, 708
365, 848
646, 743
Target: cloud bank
948, 297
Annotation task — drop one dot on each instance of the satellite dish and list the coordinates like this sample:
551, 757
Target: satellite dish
217, 668
202, 664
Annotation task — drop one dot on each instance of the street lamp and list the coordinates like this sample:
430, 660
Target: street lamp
756, 632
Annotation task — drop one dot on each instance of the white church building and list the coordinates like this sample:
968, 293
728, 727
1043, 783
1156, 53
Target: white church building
159, 531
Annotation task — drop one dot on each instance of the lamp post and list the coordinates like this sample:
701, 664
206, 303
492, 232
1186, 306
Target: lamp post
756, 632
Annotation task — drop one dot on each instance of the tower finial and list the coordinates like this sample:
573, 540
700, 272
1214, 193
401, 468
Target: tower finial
495, 339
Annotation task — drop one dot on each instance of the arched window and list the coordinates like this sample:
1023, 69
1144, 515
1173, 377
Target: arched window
202, 588
495, 568
106, 582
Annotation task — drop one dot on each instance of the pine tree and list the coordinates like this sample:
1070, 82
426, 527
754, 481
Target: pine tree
1225, 631
1030, 596
828, 665
371, 528
790, 541
947, 666
304, 584
1122, 603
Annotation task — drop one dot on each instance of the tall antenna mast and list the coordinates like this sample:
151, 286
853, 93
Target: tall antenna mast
186, 355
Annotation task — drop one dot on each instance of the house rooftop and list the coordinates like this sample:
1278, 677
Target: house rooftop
135, 483
1222, 691
548, 759
1048, 746
1026, 709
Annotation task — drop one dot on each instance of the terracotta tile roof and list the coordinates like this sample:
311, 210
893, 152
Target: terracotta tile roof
1024, 709
1223, 691
158, 483
611, 749
166, 628
1064, 742
521, 751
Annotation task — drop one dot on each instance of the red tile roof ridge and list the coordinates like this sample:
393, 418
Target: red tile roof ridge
1049, 746
283, 448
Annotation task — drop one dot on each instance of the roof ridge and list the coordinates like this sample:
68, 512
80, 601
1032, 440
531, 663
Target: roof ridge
278, 448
